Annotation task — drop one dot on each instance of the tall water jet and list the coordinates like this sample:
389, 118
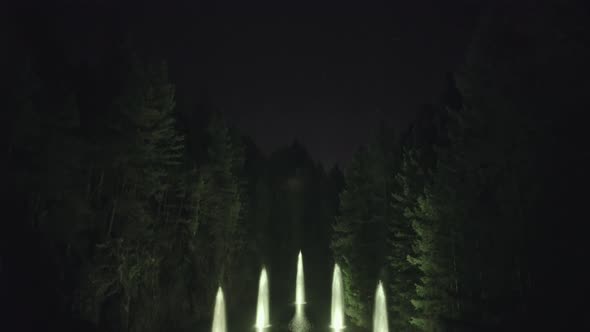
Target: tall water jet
337, 321
299, 323
219, 321
262, 308
380, 322
300, 286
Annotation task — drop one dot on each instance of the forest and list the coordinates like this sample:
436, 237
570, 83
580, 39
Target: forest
129, 200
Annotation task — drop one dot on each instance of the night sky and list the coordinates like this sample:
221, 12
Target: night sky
325, 75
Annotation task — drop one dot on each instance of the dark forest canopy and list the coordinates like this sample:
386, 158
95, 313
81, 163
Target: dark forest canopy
129, 200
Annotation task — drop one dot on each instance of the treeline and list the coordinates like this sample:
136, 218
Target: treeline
133, 231
461, 216
127, 211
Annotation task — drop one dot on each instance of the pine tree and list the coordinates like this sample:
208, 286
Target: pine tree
359, 233
403, 274
221, 202
143, 151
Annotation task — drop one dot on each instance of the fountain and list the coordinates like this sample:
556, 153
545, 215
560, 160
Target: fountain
219, 321
300, 286
337, 321
262, 308
299, 322
380, 323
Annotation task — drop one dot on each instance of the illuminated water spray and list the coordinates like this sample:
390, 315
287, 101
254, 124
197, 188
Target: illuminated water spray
219, 321
299, 322
300, 285
337, 321
380, 323
262, 308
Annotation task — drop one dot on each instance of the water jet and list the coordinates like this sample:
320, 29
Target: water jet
299, 323
219, 320
337, 311
300, 285
262, 307
380, 322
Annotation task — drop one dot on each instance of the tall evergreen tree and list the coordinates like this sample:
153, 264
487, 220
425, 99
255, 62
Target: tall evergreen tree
221, 203
359, 236
403, 274
144, 150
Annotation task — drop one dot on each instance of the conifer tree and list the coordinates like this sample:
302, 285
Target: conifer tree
145, 150
359, 233
221, 202
401, 236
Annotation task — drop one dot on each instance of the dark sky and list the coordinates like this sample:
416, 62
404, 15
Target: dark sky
324, 74
327, 75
